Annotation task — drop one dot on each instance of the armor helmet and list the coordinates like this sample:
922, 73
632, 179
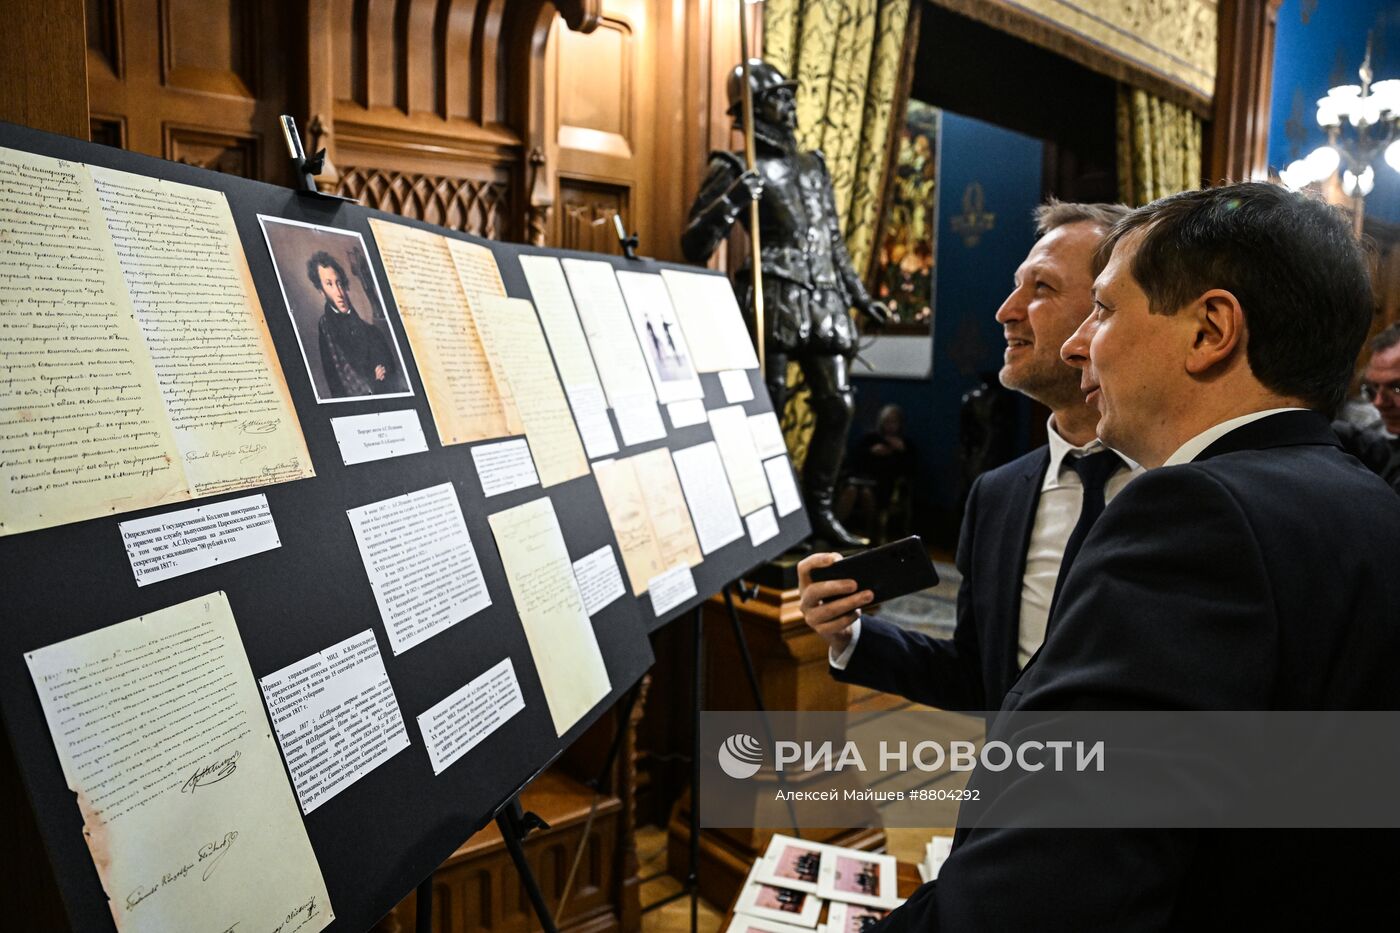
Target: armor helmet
763, 77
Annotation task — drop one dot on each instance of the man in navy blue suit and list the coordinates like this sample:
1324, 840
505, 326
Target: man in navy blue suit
1250, 568
1020, 517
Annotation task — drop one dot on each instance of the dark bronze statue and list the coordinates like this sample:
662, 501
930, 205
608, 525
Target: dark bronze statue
809, 285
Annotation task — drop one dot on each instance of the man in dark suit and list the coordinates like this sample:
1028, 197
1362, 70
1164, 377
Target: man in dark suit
1250, 568
1378, 445
1020, 517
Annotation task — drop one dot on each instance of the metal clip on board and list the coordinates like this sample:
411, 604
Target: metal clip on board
306, 169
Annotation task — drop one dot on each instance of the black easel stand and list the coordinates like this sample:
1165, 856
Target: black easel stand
692, 881
752, 674
515, 825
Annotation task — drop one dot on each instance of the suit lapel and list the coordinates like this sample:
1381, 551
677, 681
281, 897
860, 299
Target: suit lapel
1021, 505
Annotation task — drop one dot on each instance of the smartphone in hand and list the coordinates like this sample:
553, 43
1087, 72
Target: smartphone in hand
891, 570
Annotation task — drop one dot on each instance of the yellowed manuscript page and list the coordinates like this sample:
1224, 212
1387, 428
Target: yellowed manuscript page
188, 280
541, 578
666, 508
467, 404
83, 431
518, 352
190, 828
626, 506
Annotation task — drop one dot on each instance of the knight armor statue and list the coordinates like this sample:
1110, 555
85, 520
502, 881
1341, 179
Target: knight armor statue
809, 285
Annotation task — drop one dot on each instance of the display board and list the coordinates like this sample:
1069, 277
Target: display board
384, 560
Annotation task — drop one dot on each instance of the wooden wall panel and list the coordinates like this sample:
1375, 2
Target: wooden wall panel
197, 81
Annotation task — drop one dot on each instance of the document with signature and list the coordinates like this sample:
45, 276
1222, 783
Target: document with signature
139, 369
647, 511
186, 809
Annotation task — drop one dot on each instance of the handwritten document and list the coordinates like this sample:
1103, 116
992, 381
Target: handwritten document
379, 435
608, 327
547, 599
176, 543
194, 298
576, 370
598, 578
421, 563
458, 723
647, 510
186, 808
767, 435
116, 395
785, 494
518, 352
336, 717
712, 507
713, 324
467, 403
730, 427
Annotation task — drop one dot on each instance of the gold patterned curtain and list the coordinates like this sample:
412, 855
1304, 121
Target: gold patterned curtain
845, 56
1159, 147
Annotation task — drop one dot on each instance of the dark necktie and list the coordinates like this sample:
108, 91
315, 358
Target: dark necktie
1094, 471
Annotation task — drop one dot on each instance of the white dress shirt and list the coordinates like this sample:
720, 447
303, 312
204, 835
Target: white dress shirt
1061, 500
1196, 446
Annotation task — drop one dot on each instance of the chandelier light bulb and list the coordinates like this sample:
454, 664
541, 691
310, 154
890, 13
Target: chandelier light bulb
1328, 114
1295, 176
1322, 162
1387, 93
1366, 181
1392, 155
1349, 183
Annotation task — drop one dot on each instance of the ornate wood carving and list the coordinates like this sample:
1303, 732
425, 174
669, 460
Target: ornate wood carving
223, 152
466, 204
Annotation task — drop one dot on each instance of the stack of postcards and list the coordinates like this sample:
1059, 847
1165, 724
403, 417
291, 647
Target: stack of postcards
790, 885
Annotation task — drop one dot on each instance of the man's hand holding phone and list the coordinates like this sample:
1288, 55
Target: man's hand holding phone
829, 607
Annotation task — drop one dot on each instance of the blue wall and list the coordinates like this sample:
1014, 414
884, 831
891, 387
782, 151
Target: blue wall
972, 282
1320, 44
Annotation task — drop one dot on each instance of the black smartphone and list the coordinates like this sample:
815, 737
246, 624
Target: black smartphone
891, 570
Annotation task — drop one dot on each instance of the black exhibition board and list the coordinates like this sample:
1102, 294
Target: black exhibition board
379, 837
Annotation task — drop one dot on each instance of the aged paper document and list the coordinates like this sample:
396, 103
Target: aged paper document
504, 466
547, 598
336, 717
556, 309
647, 511
112, 401
608, 327
713, 324
670, 519
194, 298
467, 403
712, 507
518, 353
420, 562
730, 427
186, 808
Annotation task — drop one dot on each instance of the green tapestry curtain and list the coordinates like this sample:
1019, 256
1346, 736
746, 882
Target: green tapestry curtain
1159, 147
845, 56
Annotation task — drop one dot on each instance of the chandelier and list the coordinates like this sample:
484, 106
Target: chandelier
1362, 122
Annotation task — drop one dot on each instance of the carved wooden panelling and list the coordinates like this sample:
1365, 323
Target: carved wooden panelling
599, 103
586, 217
109, 131
471, 205
102, 18
211, 149
207, 45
